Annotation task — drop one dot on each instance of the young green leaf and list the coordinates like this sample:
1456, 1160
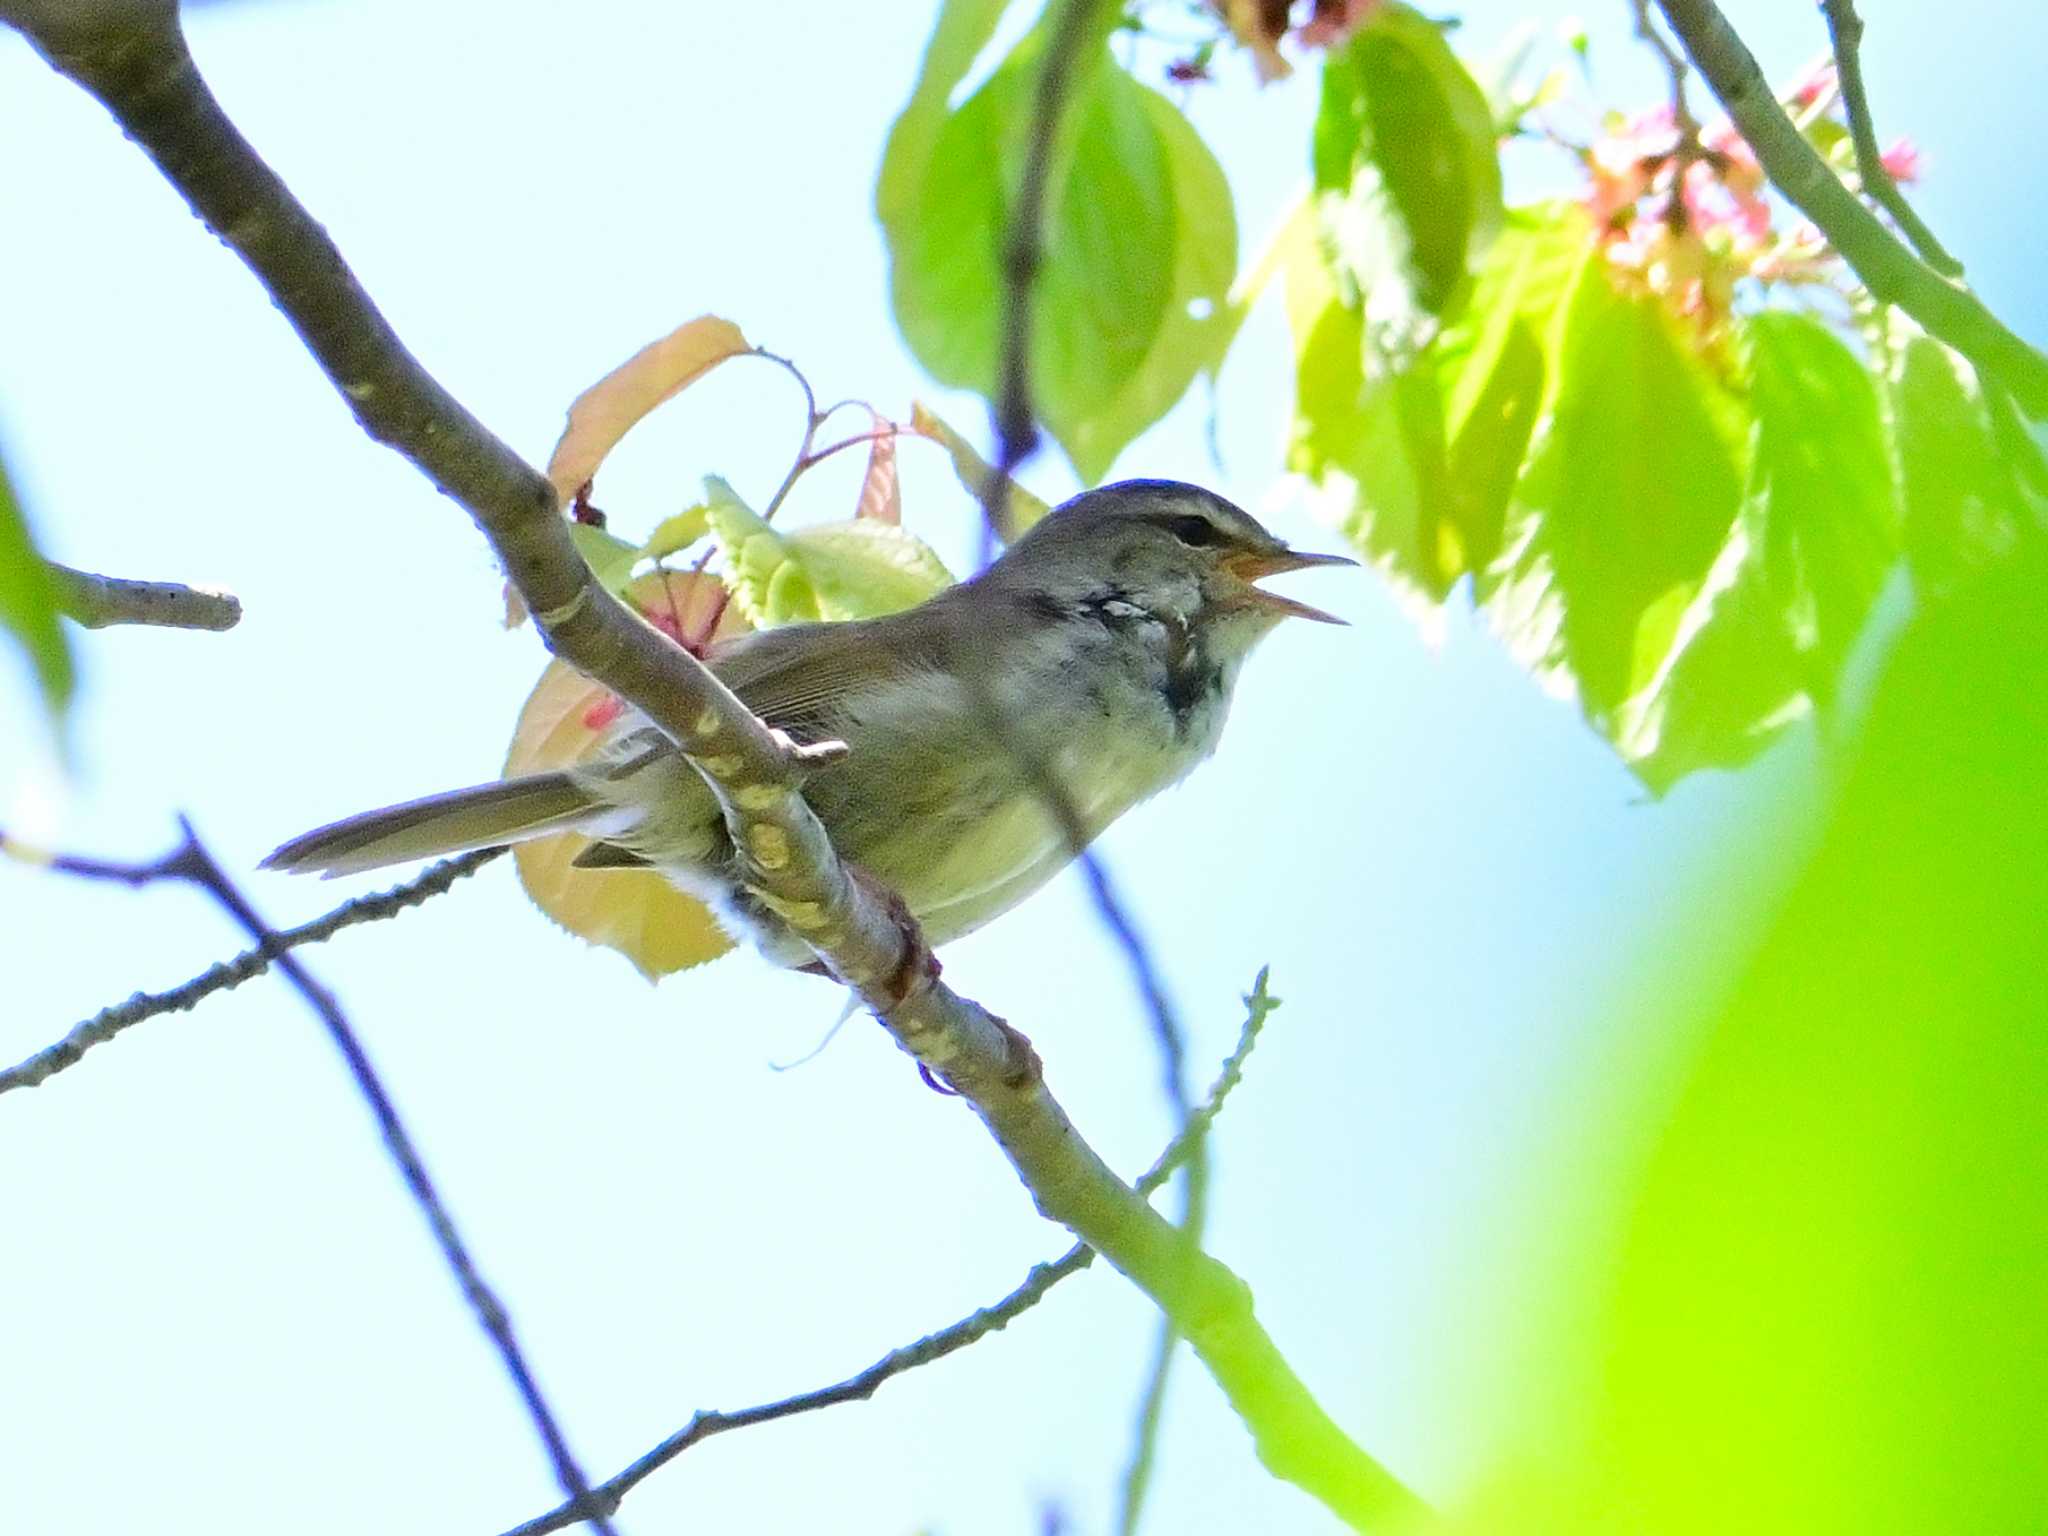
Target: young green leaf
857, 569
678, 532
28, 605
863, 569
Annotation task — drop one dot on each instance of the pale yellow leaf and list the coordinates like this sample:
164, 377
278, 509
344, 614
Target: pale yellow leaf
635, 912
608, 410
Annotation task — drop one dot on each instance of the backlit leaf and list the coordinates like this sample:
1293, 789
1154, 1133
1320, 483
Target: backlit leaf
1406, 169
1198, 322
611, 407
1963, 483
1627, 498
852, 570
881, 490
1111, 236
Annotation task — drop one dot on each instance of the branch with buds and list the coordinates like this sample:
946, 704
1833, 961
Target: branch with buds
132, 57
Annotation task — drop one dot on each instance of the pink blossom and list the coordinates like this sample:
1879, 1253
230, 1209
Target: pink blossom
1902, 160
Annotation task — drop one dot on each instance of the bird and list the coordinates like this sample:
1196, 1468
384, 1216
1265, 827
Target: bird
992, 731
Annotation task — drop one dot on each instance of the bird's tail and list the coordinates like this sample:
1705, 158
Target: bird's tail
482, 816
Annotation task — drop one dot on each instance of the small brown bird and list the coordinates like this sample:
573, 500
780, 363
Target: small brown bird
1098, 654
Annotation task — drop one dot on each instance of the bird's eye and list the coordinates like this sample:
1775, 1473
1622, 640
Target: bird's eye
1195, 532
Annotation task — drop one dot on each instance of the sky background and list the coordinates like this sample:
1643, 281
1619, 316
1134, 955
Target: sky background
222, 1310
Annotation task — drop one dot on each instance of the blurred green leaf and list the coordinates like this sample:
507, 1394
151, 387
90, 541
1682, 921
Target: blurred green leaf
1962, 482
1819, 485
1129, 302
1829, 1313
1022, 509
1407, 168
28, 605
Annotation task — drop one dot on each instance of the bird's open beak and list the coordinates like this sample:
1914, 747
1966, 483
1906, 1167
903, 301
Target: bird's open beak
1252, 567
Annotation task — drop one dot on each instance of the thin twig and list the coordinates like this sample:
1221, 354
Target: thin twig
109, 1022
1023, 253
134, 60
1845, 33
980, 1323
1887, 267
191, 862
97, 601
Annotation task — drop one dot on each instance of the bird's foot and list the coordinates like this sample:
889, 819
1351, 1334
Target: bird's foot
919, 967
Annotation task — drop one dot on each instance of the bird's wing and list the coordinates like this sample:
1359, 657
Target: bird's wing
796, 677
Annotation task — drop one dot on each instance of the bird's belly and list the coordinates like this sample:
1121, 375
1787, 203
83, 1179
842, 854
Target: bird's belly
965, 865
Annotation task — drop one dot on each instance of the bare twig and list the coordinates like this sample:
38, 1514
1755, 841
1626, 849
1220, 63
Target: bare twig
109, 1022
98, 601
191, 862
1845, 33
133, 58
1892, 273
951, 1339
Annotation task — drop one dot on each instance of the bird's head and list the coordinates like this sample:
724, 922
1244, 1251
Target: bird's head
1174, 550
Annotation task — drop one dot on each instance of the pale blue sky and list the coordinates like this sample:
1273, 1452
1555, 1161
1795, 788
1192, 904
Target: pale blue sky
222, 1310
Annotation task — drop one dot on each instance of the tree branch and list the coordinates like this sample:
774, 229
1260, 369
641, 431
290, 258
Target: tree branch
134, 60
949, 1340
1845, 34
1892, 273
99, 601
109, 1022
191, 862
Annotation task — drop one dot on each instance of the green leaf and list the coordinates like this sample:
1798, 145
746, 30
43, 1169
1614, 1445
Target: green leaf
1113, 257
833, 571
1198, 321
1630, 493
753, 552
964, 29
1498, 367
1963, 483
1406, 168
28, 605
862, 569
1423, 488
677, 532
610, 557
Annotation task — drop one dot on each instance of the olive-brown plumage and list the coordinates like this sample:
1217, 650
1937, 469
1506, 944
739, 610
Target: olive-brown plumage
1099, 652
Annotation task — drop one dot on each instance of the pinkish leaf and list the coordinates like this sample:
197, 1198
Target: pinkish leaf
881, 494
610, 408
